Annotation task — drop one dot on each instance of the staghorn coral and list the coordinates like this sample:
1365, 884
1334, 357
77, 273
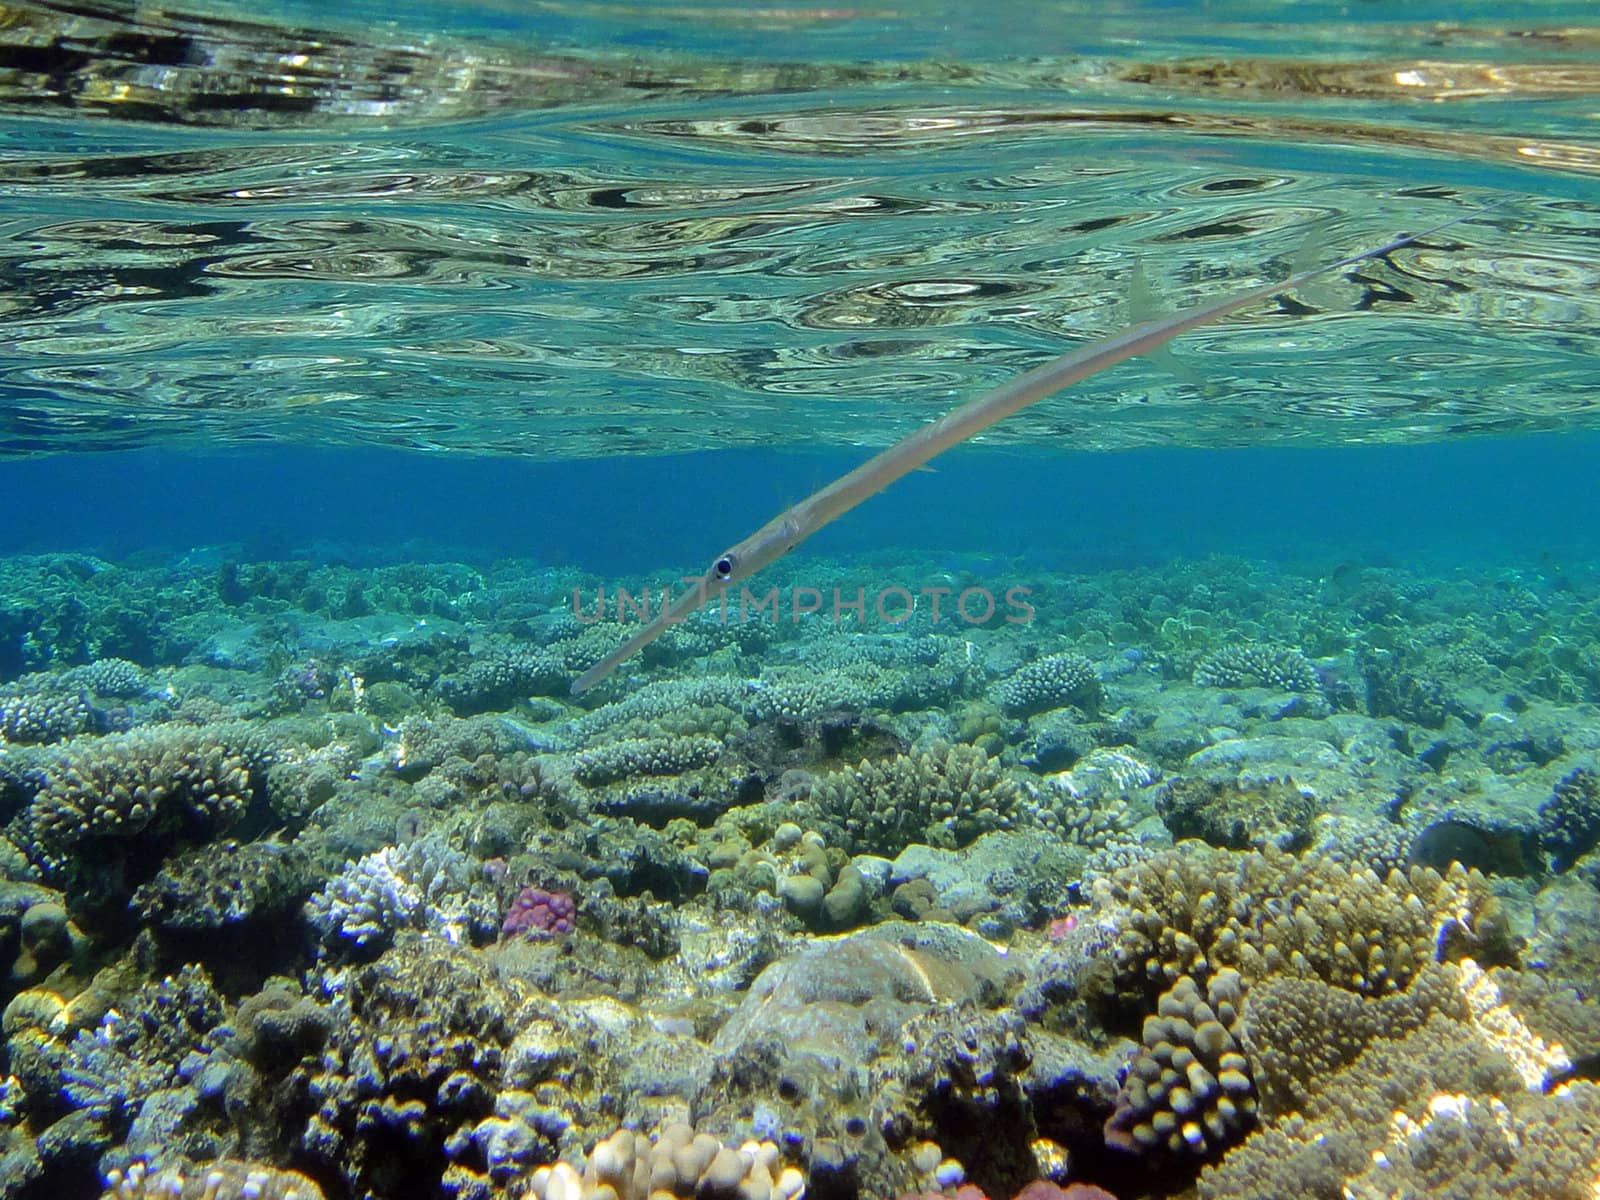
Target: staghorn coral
224, 1179
943, 797
1055, 681
149, 785
1257, 664
676, 1163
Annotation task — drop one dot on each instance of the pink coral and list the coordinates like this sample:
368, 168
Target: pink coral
537, 913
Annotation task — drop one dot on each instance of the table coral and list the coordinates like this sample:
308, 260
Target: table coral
644, 756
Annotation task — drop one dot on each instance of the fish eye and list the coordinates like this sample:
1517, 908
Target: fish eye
724, 566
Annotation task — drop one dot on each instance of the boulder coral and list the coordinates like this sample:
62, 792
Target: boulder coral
678, 1162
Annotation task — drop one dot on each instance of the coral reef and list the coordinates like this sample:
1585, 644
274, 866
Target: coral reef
289, 890
1443, 1090
1257, 665
644, 756
425, 885
942, 797
677, 1162
224, 1179
1055, 681
1197, 928
104, 803
1569, 820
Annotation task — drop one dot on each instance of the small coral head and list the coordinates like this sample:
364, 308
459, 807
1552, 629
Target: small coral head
537, 913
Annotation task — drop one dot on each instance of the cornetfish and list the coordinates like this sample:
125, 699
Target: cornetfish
794, 525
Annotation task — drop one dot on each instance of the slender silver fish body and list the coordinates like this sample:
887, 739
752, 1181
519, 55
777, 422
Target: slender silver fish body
793, 526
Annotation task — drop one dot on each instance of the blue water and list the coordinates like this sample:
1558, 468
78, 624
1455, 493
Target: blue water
1527, 502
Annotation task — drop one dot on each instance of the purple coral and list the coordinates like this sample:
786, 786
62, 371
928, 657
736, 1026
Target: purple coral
540, 914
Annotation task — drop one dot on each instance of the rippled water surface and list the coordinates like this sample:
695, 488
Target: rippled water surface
585, 229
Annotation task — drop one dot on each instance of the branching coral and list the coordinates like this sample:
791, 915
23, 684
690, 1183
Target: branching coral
1195, 918
426, 884
1189, 1089
1439, 1091
114, 1068
157, 782
1257, 665
945, 798
38, 709
1055, 681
